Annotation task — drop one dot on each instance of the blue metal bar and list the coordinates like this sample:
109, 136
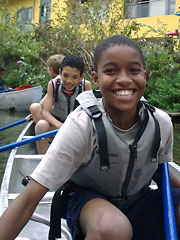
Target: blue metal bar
168, 208
25, 141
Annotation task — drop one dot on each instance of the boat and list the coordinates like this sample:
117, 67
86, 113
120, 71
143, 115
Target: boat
20, 100
21, 162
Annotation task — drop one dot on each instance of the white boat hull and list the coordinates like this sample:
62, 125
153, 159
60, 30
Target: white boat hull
21, 162
20, 100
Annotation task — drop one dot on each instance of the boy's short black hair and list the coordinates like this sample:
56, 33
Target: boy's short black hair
2, 69
115, 40
73, 61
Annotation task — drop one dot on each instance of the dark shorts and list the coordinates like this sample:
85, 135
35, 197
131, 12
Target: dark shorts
145, 214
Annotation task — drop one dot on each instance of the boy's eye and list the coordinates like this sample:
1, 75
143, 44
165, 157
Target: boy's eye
110, 71
65, 75
134, 70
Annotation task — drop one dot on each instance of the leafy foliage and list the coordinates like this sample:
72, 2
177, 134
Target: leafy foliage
77, 28
162, 64
62, 35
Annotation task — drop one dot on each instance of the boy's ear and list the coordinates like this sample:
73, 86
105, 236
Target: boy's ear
81, 77
95, 79
60, 71
145, 74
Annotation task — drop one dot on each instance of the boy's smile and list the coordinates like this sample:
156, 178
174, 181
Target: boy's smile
124, 93
122, 79
70, 77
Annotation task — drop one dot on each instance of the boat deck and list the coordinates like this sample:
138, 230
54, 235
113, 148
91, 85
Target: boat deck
19, 166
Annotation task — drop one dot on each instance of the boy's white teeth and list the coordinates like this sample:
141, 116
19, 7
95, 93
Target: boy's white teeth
124, 93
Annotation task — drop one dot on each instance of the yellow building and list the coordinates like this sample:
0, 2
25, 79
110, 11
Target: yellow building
148, 12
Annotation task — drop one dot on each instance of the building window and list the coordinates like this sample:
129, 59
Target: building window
80, 11
24, 20
171, 7
25, 15
45, 7
148, 8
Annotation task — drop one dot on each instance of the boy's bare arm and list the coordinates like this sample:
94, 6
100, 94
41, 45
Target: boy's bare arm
88, 85
47, 107
21, 210
43, 99
175, 181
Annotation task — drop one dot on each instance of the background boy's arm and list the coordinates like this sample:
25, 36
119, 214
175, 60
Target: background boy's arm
88, 85
47, 108
43, 99
21, 210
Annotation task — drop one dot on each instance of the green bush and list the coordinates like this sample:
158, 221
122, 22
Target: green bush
33, 46
163, 81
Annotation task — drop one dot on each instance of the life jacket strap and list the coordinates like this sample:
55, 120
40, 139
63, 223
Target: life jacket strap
96, 115
81, 89
55, 216
157, 135
133, 154
58, 209
58, 82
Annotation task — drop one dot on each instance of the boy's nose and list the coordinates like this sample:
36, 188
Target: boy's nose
123, 78
69, 80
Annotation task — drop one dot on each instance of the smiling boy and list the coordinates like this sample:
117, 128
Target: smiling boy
71, 83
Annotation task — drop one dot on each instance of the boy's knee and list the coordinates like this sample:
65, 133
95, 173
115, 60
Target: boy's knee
113, 227
41, 126
35, 107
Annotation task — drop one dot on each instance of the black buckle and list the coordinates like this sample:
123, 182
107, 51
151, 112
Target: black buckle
94, 112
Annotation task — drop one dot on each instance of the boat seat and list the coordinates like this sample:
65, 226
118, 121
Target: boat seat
27, 137
46, 199
12, 196
32, 156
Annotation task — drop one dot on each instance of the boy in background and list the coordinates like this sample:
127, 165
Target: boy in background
70, 84
53, 64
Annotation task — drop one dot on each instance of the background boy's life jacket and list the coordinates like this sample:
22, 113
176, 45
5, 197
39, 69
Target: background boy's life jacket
56, 82
64, 104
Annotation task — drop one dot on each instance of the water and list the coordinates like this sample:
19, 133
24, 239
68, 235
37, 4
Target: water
10, 135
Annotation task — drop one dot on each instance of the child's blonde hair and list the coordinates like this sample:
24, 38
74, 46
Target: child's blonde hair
54, 62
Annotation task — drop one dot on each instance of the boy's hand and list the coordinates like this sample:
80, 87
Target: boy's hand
28, 117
